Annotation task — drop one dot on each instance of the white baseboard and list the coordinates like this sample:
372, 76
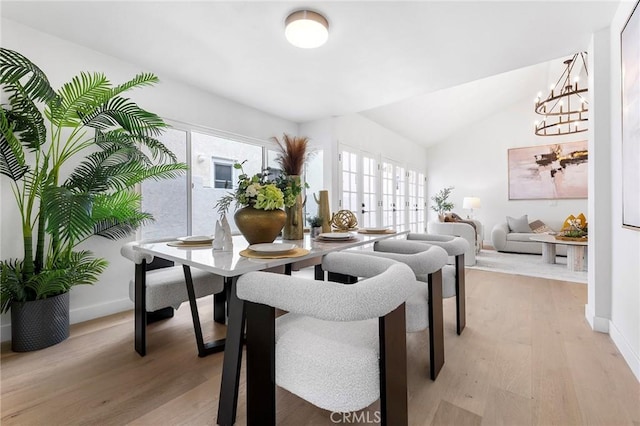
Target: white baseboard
87, 313
596, 323
632, 358
84, 313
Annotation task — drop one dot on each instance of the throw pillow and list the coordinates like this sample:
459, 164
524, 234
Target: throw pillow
520, 224
539, 227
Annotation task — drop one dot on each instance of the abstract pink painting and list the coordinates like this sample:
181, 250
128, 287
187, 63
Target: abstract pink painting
548, 172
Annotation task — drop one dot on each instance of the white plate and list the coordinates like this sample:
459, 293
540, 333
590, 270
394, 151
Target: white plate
335, 235
376, 230
272, 248
196, 239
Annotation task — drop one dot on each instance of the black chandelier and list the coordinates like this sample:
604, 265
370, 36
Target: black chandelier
565, 108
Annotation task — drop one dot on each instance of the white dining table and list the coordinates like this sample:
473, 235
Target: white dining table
227, 264
230, 265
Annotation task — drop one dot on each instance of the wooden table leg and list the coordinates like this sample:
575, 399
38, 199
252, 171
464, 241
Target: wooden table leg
436, 324
461, 309
228, 402
140, 306
261, 364
393, 368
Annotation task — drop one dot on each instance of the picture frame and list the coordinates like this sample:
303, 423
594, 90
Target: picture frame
630, 91
549, 172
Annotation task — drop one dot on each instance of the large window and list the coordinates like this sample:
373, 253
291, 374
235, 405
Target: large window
186, 205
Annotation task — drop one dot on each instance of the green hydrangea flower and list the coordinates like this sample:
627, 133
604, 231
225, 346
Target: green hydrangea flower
269, 198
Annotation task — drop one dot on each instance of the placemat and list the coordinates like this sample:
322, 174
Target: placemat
296, 252
183, 245
329, 240
386, 231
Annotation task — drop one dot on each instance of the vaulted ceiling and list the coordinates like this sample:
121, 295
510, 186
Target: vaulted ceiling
401, 64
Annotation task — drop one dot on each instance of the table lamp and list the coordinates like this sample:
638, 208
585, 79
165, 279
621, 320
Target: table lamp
470, 203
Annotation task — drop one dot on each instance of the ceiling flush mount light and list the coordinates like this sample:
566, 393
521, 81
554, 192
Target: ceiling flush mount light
565, 108
306, 29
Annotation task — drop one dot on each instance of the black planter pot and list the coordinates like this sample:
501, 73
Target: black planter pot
40, 323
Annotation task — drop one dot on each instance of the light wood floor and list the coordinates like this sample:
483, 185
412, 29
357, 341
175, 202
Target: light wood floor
527, 357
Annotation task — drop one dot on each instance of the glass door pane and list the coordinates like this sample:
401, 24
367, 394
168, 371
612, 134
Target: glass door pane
401, 198
349, 181
369, 191
416, 201
388, 202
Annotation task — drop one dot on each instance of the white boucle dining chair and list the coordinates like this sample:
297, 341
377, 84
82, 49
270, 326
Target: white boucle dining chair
455, 247
340, 347
166, 289
424, 308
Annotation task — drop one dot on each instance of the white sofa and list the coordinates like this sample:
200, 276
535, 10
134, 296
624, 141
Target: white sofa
519, 242
464, 230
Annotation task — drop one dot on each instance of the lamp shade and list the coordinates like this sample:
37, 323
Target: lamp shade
306, 29
471, 203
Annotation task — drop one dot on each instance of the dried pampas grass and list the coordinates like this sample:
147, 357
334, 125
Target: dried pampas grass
293, 153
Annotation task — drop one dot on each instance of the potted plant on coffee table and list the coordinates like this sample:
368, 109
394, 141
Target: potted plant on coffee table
112, 142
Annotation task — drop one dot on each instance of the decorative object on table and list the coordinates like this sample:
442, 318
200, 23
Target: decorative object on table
575, 228
293, 155
109, 138
441, 202
555, 171
344, 220
227, 243
323, 209
315, 225
218, 238
261, 217
471, 203
630, 52
565, 109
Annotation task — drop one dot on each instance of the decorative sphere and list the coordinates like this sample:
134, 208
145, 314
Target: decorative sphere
344, 220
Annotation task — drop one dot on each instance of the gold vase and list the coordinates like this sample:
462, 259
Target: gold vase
294, 225
323, 210
259, 226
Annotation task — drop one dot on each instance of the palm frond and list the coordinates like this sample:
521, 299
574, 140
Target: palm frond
68, 213
126, 114
140, 80
82, 95
293, 153
14, 67
158, 150
12, 162
11, 285
118, 215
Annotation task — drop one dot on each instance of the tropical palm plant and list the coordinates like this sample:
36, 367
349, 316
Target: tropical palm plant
115, 142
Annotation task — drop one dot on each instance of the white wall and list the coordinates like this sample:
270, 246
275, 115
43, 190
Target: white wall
360, 133
474, 161
624, 324
61, 60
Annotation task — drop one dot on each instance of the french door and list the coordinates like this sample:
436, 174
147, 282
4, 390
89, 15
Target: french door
381, 193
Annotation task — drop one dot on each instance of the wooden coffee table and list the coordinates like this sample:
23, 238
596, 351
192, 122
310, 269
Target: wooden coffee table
576, 251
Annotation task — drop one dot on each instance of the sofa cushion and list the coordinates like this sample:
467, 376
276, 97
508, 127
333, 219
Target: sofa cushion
520, 224
539, 227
